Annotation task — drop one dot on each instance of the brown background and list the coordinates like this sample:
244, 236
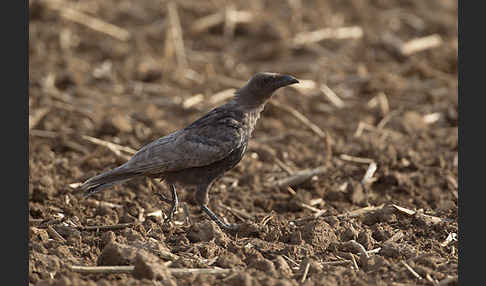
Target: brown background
136, 83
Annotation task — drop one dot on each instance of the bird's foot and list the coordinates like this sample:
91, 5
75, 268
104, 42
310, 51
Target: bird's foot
223, 225
163, 198
174, 203
172, 211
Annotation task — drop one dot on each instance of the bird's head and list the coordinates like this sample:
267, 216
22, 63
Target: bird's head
261, 87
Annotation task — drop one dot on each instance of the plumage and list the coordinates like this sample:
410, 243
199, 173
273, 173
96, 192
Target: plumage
203, 151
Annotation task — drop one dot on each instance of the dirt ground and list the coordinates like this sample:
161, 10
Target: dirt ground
365, 98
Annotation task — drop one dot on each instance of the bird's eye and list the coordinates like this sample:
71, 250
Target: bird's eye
266, 80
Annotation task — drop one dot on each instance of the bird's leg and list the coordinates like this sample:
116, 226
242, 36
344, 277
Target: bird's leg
218, 221
174, 203
202, 199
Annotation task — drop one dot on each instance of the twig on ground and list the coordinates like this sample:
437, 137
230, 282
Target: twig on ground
386, 119
358, 246
431, 280
192, 101
306, 271
207, 22
332, 96
306, 87
349, 158
108, 227
420, 44
102, 269
54, 234
72, 108
301, 118
368, 176
360, 211
316, 201
305, 38
266, 219
420, 214
131, 268
89, 21
355, 264
381, 100
229, 20
95, 203
233, 16
43, 133
290, 260
450, 238
157, 213
395, 237
431, 117
175, 42
199, 270
36, 116
283, 166
373, 251
317, 212
311, 208
404, 210
338, 262
115, 148
299, 177
365, 126
453, 181
410, 269
291, 191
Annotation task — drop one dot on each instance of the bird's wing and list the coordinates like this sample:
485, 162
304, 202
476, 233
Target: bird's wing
207, 140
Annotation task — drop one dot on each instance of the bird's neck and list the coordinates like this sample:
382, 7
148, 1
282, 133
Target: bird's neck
253, 116
250, 99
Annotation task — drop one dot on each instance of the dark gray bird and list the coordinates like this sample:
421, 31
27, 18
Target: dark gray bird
203, 151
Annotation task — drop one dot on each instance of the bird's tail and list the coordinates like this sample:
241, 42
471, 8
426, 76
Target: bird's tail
107, 179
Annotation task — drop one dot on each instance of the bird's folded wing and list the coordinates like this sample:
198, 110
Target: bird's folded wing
187, 148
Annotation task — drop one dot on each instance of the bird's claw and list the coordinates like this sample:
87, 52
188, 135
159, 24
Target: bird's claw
163, 198
231, 226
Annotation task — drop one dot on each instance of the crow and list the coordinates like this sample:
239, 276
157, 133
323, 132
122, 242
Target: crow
202, 152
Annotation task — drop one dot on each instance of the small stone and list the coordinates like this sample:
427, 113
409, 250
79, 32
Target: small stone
114, 124
386, 214
319, 234
282, 266
229, 260
365, 239
40, 233
107, 238
264, 265
149, 266
240, 279
46, 181
357, 194
331, 220
349, 233
203, 231
117, 254
413, 121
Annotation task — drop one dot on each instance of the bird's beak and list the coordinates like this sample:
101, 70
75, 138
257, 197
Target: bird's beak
288, 80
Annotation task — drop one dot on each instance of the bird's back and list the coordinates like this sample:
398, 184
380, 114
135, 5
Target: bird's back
211, 138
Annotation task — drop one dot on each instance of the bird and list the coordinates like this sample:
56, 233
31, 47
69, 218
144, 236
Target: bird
202, 152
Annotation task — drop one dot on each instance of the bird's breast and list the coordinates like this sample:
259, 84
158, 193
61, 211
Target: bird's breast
252, 119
